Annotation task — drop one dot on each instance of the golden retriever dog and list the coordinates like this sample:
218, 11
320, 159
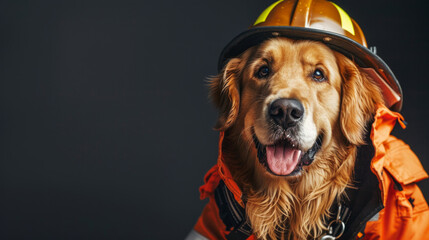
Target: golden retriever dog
293, 113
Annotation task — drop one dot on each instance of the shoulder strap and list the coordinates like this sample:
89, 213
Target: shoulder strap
232, 214
364, 198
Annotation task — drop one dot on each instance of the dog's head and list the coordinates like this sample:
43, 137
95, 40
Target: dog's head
288, 102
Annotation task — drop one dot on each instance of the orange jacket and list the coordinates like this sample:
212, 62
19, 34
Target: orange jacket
394, 170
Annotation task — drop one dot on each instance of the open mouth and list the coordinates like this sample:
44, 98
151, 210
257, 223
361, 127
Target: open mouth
284, 158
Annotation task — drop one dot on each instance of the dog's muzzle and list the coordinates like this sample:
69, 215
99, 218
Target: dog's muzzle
285, 156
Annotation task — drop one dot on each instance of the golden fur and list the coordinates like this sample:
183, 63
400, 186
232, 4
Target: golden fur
293, 207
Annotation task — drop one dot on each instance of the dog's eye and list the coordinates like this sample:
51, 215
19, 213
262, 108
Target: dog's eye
263, 72
318, 76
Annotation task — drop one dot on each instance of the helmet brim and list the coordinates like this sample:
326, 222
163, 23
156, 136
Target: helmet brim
348, 47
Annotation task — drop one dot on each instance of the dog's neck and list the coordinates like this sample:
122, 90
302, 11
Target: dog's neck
293, 208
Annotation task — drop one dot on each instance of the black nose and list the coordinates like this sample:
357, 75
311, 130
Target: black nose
286, 112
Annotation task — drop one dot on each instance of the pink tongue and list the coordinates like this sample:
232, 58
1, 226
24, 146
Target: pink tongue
282, 159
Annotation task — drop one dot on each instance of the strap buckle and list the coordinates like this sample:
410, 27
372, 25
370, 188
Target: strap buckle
336, 227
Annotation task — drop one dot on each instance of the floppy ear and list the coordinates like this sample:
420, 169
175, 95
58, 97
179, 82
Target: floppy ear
360, 96
224, 91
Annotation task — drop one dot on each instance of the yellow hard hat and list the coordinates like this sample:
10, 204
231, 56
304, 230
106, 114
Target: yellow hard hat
323, 21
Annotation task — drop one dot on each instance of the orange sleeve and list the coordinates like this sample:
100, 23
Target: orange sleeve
405, 216
406, 212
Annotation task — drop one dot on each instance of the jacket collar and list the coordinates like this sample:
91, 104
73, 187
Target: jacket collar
226, 176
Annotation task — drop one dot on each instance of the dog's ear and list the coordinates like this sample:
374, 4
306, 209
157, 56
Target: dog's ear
225, 93
360, 96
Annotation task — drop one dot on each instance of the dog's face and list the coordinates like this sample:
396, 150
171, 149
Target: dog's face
291, 96
293, 114
291, 101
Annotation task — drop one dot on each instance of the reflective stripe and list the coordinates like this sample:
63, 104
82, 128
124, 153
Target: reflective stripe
265, 13
346, 21
194, 235
375, 217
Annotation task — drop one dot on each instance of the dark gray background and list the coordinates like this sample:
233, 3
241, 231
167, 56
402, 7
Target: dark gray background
105, 124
